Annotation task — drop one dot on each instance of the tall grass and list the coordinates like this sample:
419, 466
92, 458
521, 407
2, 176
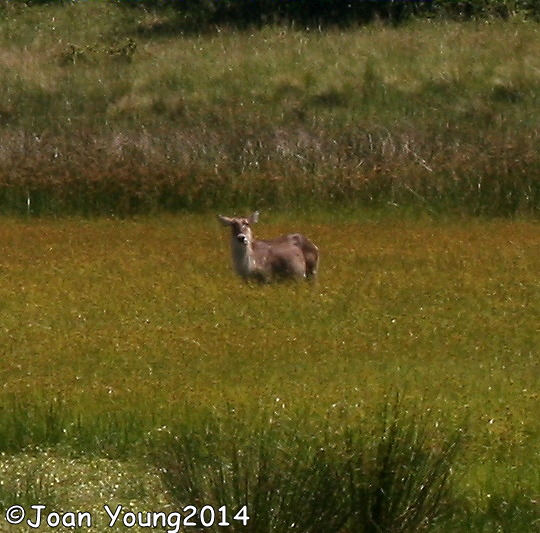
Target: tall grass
40, 424
296, 473
400, 481
101, 118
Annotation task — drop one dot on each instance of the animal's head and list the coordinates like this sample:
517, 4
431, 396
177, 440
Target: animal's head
240, 227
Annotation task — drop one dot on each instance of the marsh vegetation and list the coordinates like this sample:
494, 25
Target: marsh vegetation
137, 368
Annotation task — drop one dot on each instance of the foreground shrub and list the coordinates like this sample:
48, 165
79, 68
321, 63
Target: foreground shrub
283, 478
399, 478
290, 475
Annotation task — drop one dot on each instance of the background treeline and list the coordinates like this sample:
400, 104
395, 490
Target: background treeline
201, 14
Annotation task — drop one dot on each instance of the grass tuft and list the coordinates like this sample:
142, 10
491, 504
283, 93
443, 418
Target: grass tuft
400, 478
327, 475
283, 478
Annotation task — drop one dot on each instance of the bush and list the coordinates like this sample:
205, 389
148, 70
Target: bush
291, 475
283, 478
399, 478
201, 14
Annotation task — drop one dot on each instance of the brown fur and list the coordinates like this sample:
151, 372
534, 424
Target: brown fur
287, 256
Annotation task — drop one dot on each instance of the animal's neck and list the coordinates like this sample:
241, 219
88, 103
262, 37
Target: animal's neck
243, 258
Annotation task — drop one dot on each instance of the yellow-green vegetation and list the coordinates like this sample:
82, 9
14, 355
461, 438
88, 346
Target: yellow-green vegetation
113, 329
136, 361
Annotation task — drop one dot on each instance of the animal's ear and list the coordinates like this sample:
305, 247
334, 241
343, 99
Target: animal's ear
226, 221
254, 218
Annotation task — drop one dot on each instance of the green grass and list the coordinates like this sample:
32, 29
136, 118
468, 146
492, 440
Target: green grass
99, 116
117, 332
112, 329
299, 472
65, 485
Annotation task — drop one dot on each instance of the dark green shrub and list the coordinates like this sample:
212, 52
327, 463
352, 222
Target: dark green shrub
399, 476
291, 475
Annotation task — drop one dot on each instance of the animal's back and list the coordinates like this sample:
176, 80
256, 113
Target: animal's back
278, 259
309, 250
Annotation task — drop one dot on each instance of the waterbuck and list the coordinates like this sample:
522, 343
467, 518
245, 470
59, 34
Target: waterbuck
289, 256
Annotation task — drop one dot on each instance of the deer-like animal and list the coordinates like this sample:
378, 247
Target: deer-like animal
288, 256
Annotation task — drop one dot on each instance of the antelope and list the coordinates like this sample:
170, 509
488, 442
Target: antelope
288, 256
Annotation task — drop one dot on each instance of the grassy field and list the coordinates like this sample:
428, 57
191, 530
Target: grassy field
103, 111
112, 329
136, 368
